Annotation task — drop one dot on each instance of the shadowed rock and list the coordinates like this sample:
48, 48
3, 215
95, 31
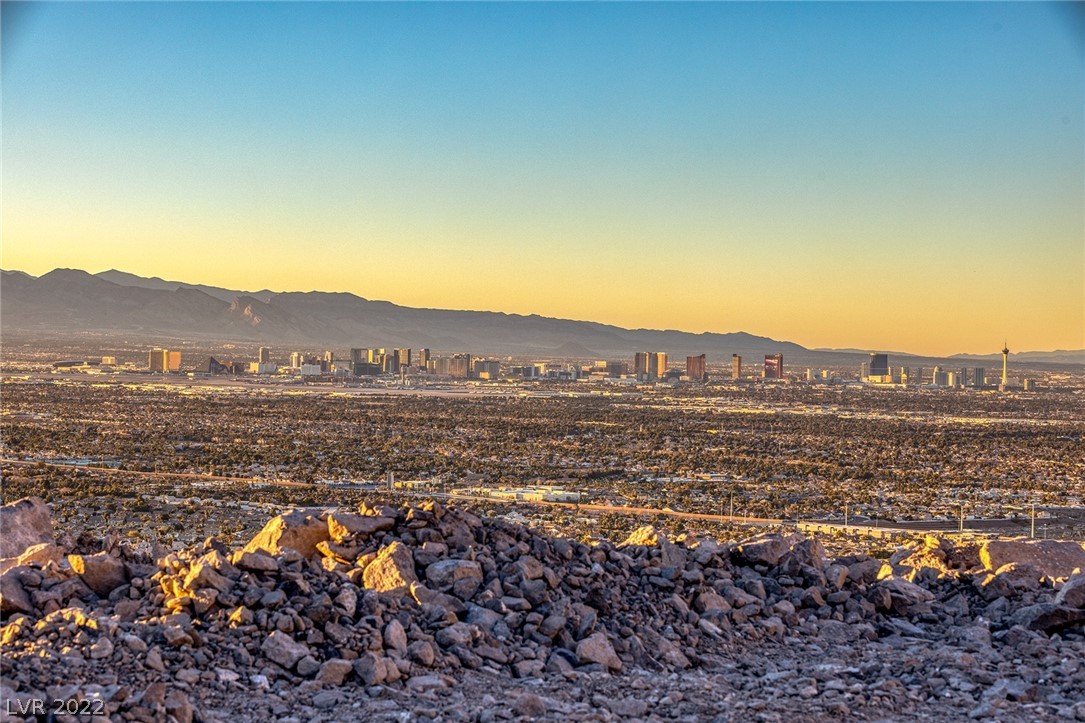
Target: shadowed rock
102, 572
1055, 558
24, 523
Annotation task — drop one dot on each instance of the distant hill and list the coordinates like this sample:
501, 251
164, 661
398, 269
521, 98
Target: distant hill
123, 278
115, 302
1060, 356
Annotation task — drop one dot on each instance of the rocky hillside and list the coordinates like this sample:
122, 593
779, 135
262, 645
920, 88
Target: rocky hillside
431, 612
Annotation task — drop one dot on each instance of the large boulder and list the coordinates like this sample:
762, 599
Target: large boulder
765, 550
202, 575
710, 601
648, 536
462, 577
927, 563
597, 649
810, 552
1072, 592
1021, 576
1055, 558
283, 649
255, 561
13, 596
903, 595
102, 572
1048, 617
42, 554
344, 526
24, 523
392, 570
866, 571
296, 530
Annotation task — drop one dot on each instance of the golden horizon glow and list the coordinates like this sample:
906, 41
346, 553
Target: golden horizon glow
853, 180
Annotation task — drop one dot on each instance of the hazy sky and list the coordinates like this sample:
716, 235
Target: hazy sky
885, 176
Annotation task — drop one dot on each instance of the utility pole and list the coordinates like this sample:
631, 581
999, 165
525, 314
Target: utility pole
960, 525
1032, 526
732, 515
845, 514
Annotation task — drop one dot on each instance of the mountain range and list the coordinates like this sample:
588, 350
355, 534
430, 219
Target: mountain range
115, 302
72, 301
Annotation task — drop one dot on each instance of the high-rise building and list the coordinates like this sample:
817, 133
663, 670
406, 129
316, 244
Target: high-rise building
263, 356
1005, 364
459, 366
423, 357
864, 371
157, 360
365, 369
358, 356
979, 377
375, 356
164, 360
774, 366
296, 359
695, 367
486, 369
263, 368
939, 378
736, 366
657, 365
1029, 385
617, 368
640, 364
879, 365
402, 359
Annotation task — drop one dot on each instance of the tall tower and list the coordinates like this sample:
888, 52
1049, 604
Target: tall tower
1005, 362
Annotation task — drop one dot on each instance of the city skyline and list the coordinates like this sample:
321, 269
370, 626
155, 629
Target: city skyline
872, 169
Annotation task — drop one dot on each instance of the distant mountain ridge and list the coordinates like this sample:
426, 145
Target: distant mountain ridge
118, 302
123, 278
1059, 356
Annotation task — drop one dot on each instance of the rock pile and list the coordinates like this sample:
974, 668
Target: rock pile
316, 606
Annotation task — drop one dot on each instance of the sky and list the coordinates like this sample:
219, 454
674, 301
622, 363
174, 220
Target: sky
906, 177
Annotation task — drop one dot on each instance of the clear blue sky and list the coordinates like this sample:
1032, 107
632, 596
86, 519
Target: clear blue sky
902, 176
